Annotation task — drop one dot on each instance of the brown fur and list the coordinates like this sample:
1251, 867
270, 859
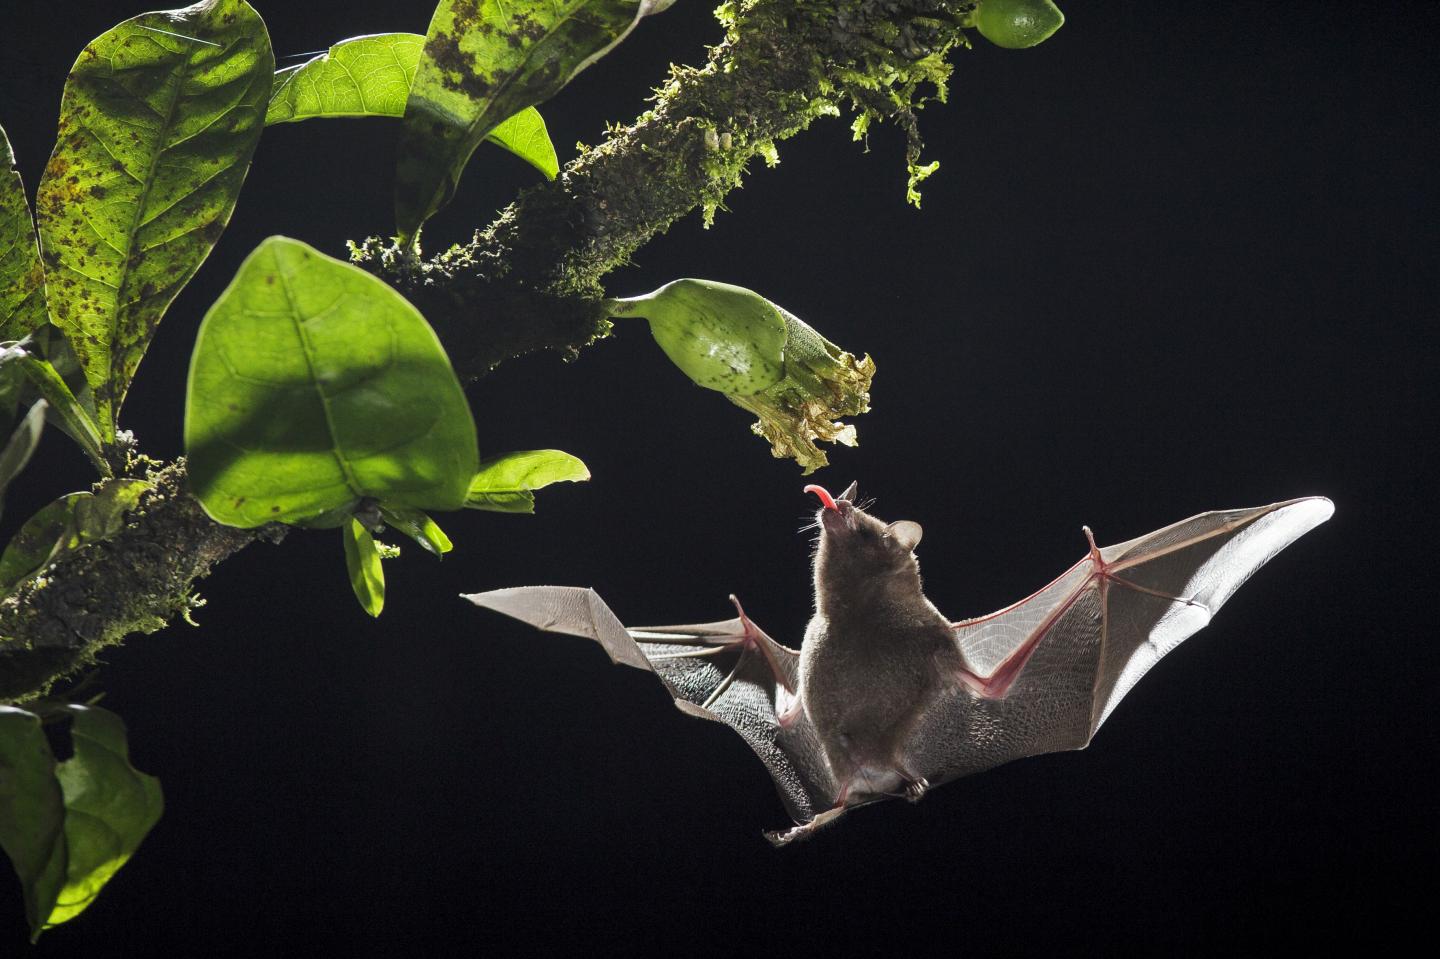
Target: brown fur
875, 652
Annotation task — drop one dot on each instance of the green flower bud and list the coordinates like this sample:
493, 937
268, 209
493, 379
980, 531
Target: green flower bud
1017, 24
763, 358
723, 337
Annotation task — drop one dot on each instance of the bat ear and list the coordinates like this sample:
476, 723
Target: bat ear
906, 533
850, 492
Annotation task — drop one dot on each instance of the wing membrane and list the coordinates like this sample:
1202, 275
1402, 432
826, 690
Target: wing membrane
720, 671
1093, 632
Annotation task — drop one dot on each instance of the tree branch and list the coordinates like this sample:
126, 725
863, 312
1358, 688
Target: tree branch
533, 277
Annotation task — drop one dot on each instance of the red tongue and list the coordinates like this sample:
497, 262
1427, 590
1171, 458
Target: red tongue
826, 499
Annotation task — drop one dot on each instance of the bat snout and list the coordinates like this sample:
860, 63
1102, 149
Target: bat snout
841, 519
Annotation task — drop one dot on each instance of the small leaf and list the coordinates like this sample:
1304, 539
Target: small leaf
313, 386
21, 446
483, 61
22, 277
19, 363
419, 527
159, 119
506, 483
1017, 24
110, 807
35, 543
371, 77
362, 560
68, 523
32, 812
723, 337
524, 134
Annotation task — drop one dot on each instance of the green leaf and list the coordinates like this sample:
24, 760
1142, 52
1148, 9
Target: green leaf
360, 77
159, 119
506, 483
110, 807
22, 276
21, 446
19, 365
419, 527
362, 560
69, 828
68, 523
371, 77
524, 134
32, 812
314, 385
1017, 24
35, 543
723, 337
485, 60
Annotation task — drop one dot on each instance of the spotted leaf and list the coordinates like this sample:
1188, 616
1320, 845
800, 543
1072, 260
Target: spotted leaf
157, 126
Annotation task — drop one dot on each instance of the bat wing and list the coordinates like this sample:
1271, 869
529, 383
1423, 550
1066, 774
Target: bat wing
728, 671
1044, 674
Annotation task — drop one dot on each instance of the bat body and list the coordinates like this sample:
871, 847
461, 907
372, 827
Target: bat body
887, 697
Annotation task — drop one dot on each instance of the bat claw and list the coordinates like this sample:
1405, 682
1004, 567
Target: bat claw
915, 789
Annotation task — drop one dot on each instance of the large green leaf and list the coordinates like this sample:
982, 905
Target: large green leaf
313, 386
506, 483
32, 812
159, 119
22, 277
371, 77
485, 60
68, 828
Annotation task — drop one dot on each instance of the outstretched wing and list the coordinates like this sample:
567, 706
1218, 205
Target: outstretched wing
1043, 674
728, 671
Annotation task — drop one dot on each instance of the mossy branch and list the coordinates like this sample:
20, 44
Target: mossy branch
532, 279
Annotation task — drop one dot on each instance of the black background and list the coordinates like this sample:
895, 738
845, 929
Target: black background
1178, 258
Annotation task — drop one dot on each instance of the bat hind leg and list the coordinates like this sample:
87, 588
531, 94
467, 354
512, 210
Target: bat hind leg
784, 837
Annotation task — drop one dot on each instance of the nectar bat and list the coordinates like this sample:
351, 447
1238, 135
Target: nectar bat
886, 696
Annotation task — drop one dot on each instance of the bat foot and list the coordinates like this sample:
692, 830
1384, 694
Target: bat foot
785, 837
916, 789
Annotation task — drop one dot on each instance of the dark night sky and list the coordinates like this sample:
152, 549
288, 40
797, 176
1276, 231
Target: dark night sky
1171, 262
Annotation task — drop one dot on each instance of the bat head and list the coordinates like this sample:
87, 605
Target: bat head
858, 551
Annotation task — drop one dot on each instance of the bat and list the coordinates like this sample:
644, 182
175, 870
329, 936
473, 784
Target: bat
887, 697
